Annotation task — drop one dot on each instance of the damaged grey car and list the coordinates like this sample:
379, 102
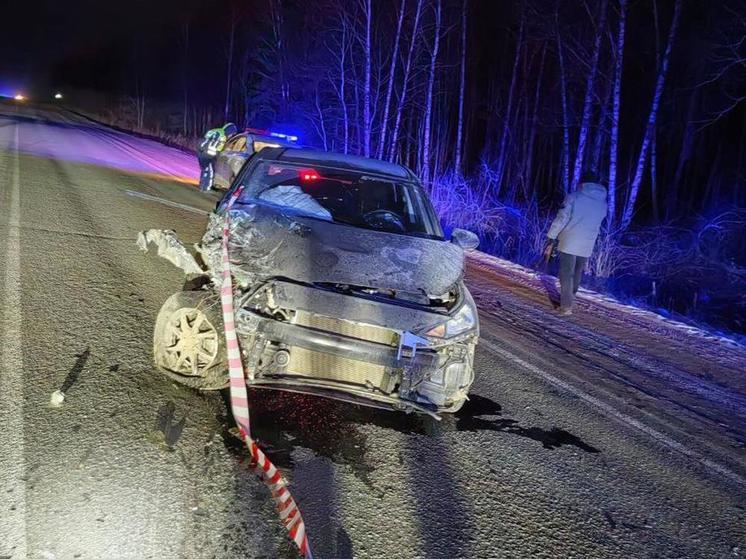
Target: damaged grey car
345, 287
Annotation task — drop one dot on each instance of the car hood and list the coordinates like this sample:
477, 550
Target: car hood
267, 242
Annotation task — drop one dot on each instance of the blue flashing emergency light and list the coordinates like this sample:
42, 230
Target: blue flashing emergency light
280, 135
288, 137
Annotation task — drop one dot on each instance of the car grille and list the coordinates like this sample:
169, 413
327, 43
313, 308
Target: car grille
314, 364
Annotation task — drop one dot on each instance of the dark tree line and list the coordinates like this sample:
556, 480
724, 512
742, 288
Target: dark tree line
525, 95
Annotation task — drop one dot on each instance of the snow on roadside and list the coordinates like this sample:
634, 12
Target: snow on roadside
530, 278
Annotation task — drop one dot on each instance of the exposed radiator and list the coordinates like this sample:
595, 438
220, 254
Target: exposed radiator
312, 364
347, 328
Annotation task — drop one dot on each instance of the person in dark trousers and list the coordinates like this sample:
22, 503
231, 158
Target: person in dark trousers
212, 144
574, 231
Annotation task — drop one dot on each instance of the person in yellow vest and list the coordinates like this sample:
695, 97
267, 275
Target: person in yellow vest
209, 148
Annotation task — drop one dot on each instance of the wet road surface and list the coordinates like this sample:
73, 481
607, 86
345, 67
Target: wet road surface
603, 435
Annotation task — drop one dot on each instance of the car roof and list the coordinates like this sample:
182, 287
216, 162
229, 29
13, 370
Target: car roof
344, 161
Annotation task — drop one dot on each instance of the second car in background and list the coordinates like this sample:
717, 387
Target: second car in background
239, 148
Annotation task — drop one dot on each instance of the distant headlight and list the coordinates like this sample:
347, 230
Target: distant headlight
461, 322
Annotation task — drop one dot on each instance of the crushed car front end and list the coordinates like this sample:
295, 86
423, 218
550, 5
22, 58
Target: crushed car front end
344, 287
363, 349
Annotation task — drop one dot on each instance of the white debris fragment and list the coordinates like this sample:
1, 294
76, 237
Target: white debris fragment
170, 248
58, 397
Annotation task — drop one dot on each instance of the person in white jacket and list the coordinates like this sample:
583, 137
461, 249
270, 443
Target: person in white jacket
575, 230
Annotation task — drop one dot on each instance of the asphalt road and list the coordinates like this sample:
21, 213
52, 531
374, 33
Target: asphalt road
605, 435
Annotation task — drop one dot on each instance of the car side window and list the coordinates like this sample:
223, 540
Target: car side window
244, 179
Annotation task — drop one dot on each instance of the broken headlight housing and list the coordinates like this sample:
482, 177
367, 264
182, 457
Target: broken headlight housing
461, 322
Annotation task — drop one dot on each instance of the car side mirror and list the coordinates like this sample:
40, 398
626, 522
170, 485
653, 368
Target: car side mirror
465, 239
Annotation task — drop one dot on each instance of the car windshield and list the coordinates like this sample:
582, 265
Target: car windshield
344, 196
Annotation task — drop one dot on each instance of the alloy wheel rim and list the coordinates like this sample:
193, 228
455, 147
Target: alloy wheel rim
191, 342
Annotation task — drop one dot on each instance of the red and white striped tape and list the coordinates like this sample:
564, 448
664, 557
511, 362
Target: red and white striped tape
288, 510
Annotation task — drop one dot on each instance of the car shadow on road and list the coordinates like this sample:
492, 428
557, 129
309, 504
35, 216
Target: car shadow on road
472, 418
283, 423
441, 493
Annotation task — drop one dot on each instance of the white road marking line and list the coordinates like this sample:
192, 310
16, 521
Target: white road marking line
165, 202
613, 413
12, 453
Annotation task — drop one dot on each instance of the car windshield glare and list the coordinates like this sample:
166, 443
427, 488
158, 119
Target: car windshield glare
344, 196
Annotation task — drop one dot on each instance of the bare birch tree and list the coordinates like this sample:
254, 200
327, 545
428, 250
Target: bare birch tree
461, 89
278, 46
405, 80
429, 98
235, 16
367, 50
616, 108
589, 95
502, 154
653, 143
390, 82
185, 74
650, 127
339, 82
565, 119
534, 122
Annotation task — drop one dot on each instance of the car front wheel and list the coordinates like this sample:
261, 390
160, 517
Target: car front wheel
188, 341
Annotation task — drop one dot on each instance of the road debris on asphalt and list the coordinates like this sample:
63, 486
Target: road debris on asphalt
57, 399
170, 248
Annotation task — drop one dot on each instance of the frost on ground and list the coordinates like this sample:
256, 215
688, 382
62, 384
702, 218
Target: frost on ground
537, 280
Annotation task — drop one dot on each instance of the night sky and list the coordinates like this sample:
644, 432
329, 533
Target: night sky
50, 45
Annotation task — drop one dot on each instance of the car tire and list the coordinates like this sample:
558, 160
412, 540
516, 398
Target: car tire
189, 341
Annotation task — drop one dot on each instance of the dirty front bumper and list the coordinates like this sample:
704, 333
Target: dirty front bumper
360, 360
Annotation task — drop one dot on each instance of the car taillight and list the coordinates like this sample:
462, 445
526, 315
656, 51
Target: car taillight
308, 175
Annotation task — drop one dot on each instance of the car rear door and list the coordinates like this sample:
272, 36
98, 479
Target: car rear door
223, 164
235, 157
